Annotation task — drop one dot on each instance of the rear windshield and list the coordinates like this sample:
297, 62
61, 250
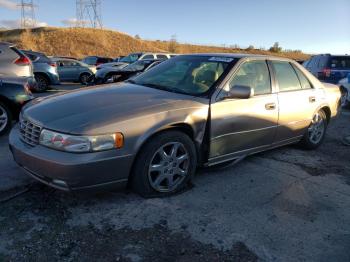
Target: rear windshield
37, 57
340, 62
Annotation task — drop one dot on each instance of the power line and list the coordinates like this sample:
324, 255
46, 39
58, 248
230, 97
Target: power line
27, 14
88, 13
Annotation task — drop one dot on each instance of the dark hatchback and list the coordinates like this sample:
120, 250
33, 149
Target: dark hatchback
329, 68
14, 94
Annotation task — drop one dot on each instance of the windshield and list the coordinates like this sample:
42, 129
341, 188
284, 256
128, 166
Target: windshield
138, 66
89, 60
186, 74
130, 58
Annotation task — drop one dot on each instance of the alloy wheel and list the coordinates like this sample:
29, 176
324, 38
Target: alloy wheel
3, 118
317, 128
169, 167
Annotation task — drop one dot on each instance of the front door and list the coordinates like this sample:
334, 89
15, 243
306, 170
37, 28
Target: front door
243, 126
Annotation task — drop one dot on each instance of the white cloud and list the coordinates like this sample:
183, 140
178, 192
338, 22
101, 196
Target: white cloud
72, 22
8, 4
17, 23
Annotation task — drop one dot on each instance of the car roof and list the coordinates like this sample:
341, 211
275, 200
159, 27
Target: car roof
7, 44
243, 55
64, 59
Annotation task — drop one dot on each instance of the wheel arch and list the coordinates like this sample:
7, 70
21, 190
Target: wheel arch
185, 128
9, 104
44, 75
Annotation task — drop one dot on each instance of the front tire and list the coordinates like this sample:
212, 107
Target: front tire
344, 98
165, 165
5, 118
84, 79
316, 132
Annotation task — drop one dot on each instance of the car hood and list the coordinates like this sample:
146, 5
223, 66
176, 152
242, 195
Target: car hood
84, 110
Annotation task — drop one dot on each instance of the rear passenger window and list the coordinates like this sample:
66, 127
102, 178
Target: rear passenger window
340, 62
162, 57
148, 57
254, 74
305, 83
286, 76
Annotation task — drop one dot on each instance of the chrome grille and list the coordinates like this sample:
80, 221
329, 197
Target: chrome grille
30, 132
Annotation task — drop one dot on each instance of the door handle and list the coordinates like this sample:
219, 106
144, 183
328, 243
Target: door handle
312, 99
270, 106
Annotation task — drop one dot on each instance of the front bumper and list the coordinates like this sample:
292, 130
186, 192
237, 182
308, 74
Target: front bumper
68, 171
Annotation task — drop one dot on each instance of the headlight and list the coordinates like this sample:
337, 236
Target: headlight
80, 144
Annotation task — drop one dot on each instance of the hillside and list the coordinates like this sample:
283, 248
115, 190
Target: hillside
80, 42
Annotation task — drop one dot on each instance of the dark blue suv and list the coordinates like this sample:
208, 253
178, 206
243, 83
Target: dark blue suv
329, 68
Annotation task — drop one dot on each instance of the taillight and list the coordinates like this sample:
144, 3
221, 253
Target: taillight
22, 61
52, 64
326, 72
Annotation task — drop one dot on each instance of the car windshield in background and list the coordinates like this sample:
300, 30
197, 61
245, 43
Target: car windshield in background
90, 60
341, 62
130, 58
192, 75
138, 66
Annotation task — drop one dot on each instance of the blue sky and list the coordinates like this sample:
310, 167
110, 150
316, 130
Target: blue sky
313, 26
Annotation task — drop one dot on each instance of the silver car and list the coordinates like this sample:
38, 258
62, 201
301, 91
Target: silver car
13, 62
70, 70
153, 131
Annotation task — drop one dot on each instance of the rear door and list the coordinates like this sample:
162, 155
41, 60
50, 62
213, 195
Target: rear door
66, 70
243, 126
296, 99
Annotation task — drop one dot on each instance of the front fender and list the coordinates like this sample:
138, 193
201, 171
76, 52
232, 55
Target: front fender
195, 118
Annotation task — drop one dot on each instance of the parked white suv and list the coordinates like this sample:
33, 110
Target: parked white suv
13, 62
133, 57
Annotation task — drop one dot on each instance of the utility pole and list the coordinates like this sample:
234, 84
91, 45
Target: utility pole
27, 13
88, 13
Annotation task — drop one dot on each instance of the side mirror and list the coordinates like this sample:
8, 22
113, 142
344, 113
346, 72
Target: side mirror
240, 92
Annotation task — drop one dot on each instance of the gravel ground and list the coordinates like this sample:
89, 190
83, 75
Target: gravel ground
282, 205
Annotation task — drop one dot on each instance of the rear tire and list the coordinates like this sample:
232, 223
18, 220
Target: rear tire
5, 118
165, 165
42, 83
316, 132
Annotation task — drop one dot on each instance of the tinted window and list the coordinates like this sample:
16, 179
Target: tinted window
254, 74
306, 63
305, 83
162, 57
32, 57
313, 62
148, 57
90, 60
130, 58
341, 62
322, 63
286, 76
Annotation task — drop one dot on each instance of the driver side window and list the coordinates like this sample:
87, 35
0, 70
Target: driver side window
254, 74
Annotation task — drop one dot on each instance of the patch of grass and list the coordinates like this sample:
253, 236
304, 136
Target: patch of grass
80, 42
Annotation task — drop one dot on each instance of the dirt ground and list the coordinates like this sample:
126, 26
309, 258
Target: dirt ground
282, 205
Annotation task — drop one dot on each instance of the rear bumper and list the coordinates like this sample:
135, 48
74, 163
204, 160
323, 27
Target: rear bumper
70, 172
54, 79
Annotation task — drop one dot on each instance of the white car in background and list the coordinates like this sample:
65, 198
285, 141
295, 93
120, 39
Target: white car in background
345, 90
